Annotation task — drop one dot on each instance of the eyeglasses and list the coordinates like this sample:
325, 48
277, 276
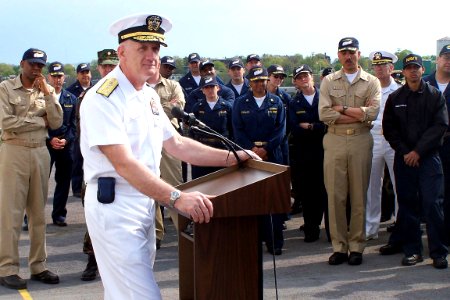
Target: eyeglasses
278, 76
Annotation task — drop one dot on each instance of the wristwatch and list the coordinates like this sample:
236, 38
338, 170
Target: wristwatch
344, 108
174, 196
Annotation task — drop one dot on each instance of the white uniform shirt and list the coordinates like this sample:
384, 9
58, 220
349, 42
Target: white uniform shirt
385, 92
127, 117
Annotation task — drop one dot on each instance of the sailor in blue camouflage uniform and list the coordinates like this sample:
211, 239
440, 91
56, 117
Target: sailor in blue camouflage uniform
215, 112
191, 80
206, 68
59, 144
83, 82
276, 78
259, 123
238, 83
307, 133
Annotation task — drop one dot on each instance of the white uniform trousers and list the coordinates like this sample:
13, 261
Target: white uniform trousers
123, 237
382, 153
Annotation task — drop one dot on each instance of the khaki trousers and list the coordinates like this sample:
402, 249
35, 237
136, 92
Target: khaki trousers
24, 174
171, 173
347, 164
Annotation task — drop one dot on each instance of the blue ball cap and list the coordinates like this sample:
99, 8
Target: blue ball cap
208, 81
34, 55
258, 73
235, 62
56, 68
412, 59
348, 43
83, 67
168, 60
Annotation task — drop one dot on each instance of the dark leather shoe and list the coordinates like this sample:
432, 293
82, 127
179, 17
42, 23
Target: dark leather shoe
276, 251
390, 249
412, 260
310, 238
296, 210
440, 263
390, 227
60, 221
13, 282
158, 244
90, 273
355, 258
46, 277
337, 258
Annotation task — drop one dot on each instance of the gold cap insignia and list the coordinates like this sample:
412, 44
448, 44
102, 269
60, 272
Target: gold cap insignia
154, 22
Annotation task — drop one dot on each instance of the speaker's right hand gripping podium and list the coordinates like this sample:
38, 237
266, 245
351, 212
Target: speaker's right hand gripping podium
223, 260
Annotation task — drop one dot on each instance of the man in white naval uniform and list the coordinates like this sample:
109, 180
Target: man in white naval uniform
123, 130
383, 65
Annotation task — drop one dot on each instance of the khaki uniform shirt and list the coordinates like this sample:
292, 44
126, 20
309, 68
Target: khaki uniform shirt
171, 95
22, 112
363, 92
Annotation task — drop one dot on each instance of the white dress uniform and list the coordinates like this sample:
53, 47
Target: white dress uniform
382, 153
122, 233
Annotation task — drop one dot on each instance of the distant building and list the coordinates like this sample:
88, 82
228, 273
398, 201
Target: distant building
441, 43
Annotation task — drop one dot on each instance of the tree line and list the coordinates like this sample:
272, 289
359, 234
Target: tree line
317, 61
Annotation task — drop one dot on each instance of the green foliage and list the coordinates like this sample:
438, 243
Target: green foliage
6, 70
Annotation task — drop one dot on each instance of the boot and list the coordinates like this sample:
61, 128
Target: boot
90, 273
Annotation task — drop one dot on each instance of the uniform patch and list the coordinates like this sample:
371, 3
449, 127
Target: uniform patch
154, 107
108, 87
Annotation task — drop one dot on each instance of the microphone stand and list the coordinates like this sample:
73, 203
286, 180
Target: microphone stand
230, 145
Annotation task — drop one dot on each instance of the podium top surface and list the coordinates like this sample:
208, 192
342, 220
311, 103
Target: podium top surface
254, 189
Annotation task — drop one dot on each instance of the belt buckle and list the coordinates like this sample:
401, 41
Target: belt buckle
350, 131
258, 144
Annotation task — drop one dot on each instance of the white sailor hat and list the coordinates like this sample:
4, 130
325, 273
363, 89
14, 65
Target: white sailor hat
382, 57
141, 28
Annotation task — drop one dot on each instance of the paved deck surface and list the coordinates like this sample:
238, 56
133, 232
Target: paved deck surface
302, 271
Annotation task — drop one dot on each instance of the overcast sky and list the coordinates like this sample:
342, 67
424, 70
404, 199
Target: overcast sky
72, 31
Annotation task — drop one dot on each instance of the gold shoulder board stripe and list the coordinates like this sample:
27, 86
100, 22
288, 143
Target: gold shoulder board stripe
108, 87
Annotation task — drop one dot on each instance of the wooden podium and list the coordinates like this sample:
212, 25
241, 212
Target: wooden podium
223, 260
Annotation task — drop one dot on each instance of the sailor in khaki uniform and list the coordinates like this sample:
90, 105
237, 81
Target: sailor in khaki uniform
349, 101
28, 108
123, 130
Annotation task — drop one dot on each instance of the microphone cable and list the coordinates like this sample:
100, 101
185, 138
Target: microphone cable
273, 257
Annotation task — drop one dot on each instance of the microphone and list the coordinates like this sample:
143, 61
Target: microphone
199, 126
188, 119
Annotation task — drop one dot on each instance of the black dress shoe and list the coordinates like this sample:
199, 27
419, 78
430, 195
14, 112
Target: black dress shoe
355, 258
412, 260
296, 210
60, 221
390, 249
276, 251
158, 244
90, 273
46, 277
337, 258
390, 227
440, 263
310, 238
13, 282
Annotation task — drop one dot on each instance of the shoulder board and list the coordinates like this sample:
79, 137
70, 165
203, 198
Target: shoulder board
108, 87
